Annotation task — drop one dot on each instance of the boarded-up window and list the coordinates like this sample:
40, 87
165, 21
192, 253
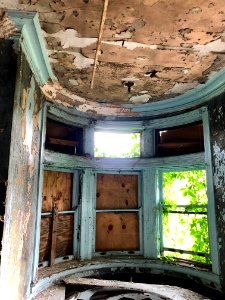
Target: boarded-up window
63, 138
117, 213
180, 140
57, 216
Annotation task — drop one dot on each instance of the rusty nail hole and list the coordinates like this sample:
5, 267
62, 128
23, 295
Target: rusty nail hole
128, 84
45, 198
124, 226
100, 51
126, 202
65, 257
151, 73
75, 13
123, 184
110, 227
98, 195
86, 1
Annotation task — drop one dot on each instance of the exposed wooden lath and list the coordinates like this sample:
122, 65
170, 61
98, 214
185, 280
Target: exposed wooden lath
104, 13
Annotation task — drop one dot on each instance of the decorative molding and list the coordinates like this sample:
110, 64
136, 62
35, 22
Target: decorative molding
33, 44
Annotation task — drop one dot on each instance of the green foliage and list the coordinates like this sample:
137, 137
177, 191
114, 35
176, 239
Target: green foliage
189, 190
169, 259
135, 150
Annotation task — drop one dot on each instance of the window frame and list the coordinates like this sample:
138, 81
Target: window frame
139, 210
160, 178
148, 165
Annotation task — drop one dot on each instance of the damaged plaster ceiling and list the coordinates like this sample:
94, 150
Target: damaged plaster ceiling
150, 49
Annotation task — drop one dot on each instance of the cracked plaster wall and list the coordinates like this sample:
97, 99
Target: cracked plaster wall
168, 47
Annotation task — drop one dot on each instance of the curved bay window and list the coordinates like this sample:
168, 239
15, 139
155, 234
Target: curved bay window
151, 202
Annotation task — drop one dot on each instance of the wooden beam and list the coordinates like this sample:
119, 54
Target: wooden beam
99, 40
62, 142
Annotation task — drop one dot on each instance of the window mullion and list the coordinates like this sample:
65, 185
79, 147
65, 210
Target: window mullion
150, 211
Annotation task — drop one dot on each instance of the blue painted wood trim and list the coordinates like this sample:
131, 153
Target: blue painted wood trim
159, 200
138, 126
33, 44
87, 214
148, 143
68, 117
213, 235
150, 224
40, 188
76, 207
89, 142
58, 161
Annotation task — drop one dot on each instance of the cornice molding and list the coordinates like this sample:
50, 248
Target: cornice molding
32, 44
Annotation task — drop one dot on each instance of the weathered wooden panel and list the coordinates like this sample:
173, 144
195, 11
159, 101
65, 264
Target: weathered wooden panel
115, 191
64, 235
22, 192
44, 250
180, 140
57, 190
217, 127
117, 231
57, 234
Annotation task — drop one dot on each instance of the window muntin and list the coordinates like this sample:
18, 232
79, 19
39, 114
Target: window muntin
184, 215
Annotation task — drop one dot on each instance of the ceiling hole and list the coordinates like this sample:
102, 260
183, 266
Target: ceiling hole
75, 13
110, 227
128, 84
151, 73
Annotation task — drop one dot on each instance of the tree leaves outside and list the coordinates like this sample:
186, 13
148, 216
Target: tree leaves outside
186, 192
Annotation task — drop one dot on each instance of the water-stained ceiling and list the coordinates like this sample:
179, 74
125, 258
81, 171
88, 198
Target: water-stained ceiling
150, 49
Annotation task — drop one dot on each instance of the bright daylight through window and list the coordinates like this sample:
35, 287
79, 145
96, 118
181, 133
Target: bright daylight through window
111, 144
184, 218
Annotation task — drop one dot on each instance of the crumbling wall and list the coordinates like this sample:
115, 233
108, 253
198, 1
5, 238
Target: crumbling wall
22, 192
7, 88
217, 128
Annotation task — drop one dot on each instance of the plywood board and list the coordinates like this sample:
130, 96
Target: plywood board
64, 235
45, 240
117, 232
117, 191
56, 230
57, 190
